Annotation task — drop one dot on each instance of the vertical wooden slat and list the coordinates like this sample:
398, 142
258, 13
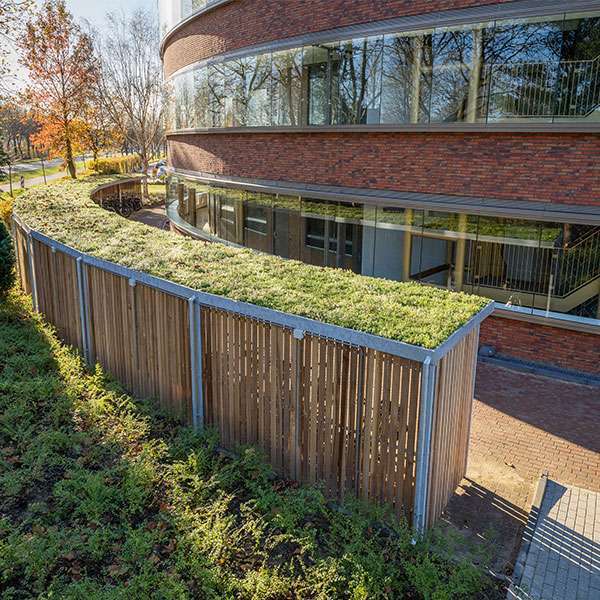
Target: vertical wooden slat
319, 411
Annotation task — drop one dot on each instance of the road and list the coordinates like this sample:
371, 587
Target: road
5, 187
24, 167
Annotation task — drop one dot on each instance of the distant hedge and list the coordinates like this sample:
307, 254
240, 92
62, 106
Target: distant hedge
117, 165
409, 312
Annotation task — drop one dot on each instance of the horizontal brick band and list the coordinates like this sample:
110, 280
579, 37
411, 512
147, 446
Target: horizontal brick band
248, 22
558, 168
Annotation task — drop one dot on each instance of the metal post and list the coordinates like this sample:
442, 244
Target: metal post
298, 335
196, 363
32, 281
407, 244
428, 375
200, 371
82, 311
359, 414
87, 314
134, 333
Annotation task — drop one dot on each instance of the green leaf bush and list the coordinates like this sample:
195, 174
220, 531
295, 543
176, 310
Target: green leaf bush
117, 165
104, 497
7, 260
410, 312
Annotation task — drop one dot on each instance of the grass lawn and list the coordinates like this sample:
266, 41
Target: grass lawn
103, 497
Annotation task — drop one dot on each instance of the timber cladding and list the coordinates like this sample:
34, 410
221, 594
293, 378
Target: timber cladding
323, 411
451, 423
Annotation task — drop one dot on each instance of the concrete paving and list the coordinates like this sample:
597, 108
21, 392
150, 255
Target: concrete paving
560, 554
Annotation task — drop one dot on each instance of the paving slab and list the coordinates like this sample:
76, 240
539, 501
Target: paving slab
560, 550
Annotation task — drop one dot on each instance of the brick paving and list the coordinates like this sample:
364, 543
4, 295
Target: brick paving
561, 556
536, 424
523, 425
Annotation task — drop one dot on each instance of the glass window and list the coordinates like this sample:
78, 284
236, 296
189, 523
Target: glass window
184, 101
450, 57
246, 91
287, 87
579, 69
520, 70
316, 75
357, 75
523, 66
315, 233
217, 99
542, 265
256, 212
404, 91
202, 98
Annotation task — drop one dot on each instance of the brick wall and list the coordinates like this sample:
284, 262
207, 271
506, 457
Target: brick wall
246, 22
557, 168
552, 346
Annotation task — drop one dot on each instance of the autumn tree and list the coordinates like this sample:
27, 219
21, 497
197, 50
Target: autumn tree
18, 127
131, 80
62, 70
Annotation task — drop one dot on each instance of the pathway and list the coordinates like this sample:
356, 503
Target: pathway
560, 554
523, 425
5, 187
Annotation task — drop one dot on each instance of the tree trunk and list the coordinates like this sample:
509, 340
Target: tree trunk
145, 166
69, 159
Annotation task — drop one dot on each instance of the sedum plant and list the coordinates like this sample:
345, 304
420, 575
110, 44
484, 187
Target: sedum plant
406, 311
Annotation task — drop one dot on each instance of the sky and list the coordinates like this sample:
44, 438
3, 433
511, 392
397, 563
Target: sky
93, 11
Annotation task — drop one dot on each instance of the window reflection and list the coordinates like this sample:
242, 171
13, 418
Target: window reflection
508, 70
358, 77
548, 266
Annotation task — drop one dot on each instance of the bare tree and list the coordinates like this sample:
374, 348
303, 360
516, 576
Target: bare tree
13, 16
131, 80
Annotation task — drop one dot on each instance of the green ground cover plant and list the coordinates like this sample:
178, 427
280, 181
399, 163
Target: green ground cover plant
409, 312
103, 497
7, 260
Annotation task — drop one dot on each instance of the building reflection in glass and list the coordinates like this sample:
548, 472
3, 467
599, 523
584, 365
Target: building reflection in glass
550, 266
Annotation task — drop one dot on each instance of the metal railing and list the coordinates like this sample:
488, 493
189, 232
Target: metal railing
555, 271
566, 89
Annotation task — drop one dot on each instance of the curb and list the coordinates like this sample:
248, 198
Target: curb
514, 591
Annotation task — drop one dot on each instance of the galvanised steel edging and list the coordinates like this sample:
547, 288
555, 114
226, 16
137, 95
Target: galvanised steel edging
460, 333
312, 326
295, 322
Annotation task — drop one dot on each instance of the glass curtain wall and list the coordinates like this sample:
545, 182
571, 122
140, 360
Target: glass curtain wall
525, 70
548, 266
171, 12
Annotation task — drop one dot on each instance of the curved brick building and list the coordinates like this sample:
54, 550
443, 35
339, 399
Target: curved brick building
453, 142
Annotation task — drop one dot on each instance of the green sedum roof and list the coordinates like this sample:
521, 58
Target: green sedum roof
409, 312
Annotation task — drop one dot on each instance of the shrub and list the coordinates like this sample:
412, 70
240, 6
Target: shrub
6, 207
7, 260
76, 451
118, 165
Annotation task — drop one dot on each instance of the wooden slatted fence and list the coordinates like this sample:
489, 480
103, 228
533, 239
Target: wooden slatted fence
384, 425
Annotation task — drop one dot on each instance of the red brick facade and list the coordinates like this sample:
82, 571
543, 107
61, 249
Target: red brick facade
545, 167
246, 22
557, 168
532, 342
